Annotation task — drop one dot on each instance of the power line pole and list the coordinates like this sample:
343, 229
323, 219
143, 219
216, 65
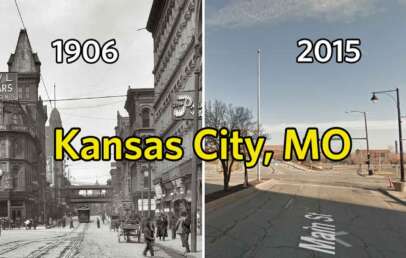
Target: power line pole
258, 104
149, 188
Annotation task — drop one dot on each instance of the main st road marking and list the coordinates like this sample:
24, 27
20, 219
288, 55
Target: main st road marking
323, 235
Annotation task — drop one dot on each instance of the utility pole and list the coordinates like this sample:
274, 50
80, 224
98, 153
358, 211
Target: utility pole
402, 168
54, 95
366, 138
195, 160
370, 172
258, 104
149, 188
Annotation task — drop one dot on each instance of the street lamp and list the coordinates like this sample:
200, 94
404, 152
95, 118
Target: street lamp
258, 104
374, 99
370, 172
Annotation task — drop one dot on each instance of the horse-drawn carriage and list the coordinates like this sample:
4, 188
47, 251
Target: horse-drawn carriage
129, 228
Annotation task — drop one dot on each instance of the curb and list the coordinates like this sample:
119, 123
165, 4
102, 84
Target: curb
390, 195
229, 199
175, 252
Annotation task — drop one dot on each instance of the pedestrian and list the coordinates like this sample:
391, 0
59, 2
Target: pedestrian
183, 229
173, 226
165, 226
34, 223
149, 239
159, 225
98, 222
70, 222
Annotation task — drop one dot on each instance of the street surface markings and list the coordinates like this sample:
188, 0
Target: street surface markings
288, 203
323, 235
342, 242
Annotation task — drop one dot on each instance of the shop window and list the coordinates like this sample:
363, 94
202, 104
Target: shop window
145, 118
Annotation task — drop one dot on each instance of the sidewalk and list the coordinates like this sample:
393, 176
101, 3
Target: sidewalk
398, 196
175, 246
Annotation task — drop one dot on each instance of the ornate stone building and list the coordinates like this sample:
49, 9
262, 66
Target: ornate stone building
132, 180
139, 105
22, 139
176, 58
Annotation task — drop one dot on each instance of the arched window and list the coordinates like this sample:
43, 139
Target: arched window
145, 118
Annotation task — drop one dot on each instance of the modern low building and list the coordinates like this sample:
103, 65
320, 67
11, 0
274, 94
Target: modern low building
22, 139
378, 156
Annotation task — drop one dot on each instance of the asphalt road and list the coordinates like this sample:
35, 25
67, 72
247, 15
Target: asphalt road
278, 219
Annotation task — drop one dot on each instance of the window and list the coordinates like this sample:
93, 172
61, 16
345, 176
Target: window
27, 92
14, 119
146, 179
15, 172
145, 117
3, 148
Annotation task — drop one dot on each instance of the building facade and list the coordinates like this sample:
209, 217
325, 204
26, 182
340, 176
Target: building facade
22, 140
55, 170
121, 195
176, 30
139, 105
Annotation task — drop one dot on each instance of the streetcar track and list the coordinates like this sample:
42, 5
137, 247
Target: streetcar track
72, 248
50, 243
54, 244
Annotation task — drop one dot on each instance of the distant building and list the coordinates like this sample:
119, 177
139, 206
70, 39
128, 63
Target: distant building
277, 151
55, 174
383, 156
22, 140
116, 184
173, 27
120, 178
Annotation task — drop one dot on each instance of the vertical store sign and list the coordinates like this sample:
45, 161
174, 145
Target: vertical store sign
183, 106
8, 86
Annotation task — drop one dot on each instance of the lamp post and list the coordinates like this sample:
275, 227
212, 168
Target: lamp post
258, 104
374, 99
370, 172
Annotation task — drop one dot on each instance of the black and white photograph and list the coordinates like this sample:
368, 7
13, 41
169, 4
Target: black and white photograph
91, 91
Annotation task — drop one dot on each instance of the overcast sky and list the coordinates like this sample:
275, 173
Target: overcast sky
307, 95
47, 20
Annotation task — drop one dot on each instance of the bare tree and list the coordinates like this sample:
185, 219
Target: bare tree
218, 115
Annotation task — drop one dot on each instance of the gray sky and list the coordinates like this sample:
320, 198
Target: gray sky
47, 20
